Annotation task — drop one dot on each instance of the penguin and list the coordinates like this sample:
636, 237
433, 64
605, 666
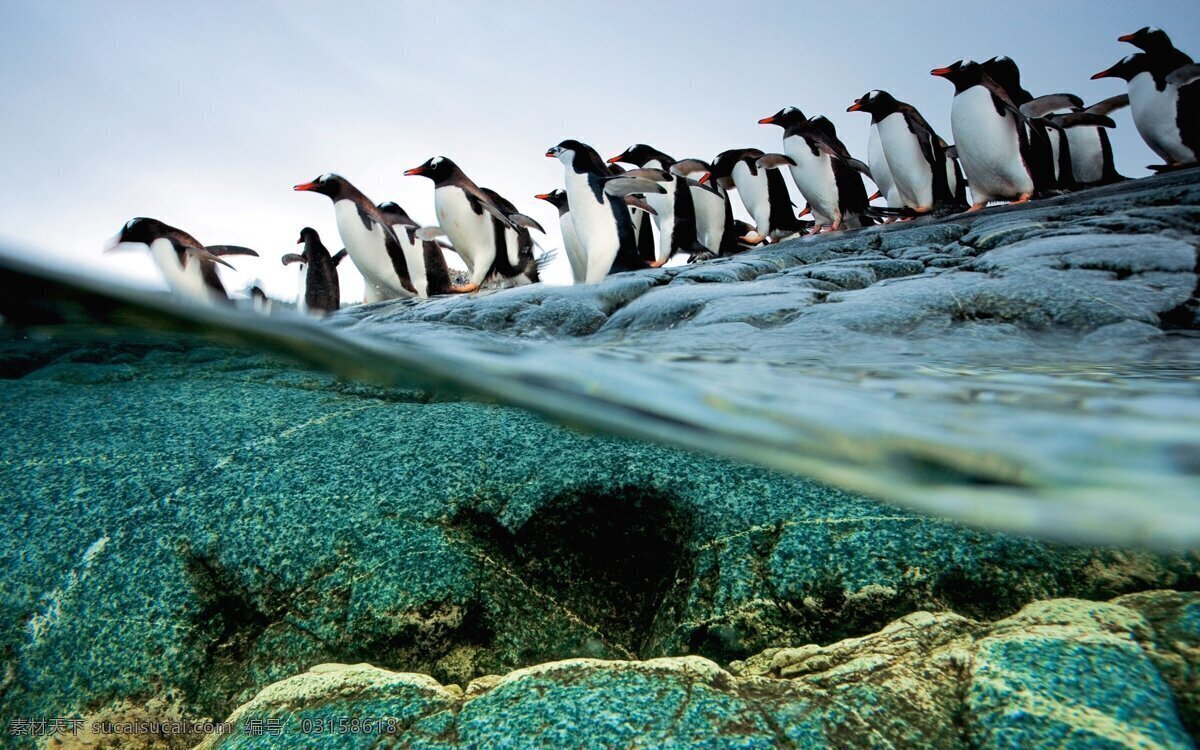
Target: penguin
322, 292
675, 210
989, 136
763, 192
1082, 149
1046, 143
259, 301
426, 263
1164, 102
925, 177
825, 173
482, 234
575, 256
1155, 42
189, 268
368, 237
717, 233
598, 209
515, 263
881, 173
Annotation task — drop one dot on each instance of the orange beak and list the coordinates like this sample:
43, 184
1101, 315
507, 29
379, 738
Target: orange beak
1126, 38
542, 196
1103, 74
306, 186
300, 241
767, 120
940, 71
615, 159
807, 210
414, 171
550, 154
878, 194
705, 177
856, 106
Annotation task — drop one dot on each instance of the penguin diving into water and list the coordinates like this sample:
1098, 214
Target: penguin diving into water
189, 268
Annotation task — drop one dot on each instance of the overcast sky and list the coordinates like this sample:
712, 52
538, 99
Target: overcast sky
204, 114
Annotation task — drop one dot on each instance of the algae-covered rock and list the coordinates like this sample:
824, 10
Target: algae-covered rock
1059, 674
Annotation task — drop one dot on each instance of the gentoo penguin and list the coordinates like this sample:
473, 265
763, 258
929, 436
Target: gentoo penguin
717, 233
368, 238
989, 136
827, 176
1155, 42
1164, 102
575, 256
259, 300
482, 233
763, 192
675, 211
426, 263
1078, 138
189, 268
322, 292
924, 175
598, 208
881, 173
1044, 142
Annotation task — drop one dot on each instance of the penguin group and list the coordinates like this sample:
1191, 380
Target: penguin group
1008, 145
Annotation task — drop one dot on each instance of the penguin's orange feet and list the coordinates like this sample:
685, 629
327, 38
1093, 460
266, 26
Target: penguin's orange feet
465, 289
977, 207
837, 226
1023, 199
658, 263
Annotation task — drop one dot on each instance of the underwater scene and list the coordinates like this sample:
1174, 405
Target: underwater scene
864, 415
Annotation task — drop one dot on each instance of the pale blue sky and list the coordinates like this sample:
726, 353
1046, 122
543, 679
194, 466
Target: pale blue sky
204, 114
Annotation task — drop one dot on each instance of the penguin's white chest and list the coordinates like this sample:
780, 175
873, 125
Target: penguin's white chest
880, 172
710, 218
414, 256
186, 280
1155, 114
595, 225
368, 249
988, 147
814, 177
664, 218
469, 232
575, 254
911, 171
1087, 154
752, 188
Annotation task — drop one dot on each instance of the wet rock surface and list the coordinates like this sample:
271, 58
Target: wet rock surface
1061, 673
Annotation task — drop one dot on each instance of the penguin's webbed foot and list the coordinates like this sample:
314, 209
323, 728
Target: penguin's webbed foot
464, 289
976, 207
1024, 198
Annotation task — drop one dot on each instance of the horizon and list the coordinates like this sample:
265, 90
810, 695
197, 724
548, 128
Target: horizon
205, 115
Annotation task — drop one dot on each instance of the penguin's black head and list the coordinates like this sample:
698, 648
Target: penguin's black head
328, 184
142, 230
1127, 68
394, 214
1149, 38
566, 150
640, 155
306, 234
556, 198
784, 118
963, 74
1004, 71
723, 164
439, 169
879, 104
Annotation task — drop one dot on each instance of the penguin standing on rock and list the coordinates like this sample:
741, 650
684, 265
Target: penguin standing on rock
717, 232
675, 211
189, 268
483, 235
760, 185
575, 256
1078, 138
989, 136
1164, 97
827, 176
368, 237
925, 177
322, 292
426, 262
598, 209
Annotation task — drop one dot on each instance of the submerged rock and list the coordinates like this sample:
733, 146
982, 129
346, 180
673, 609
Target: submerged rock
206, 522
1062, 673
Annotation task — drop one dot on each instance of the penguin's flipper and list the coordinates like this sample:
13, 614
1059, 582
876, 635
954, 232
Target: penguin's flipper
770, 161
293, 258
231, 250
1184, 74
685, 167
638, 202
1044, 105
341, 255
430, 233
1111, 104
203, 253
528, 222
1082, 118
621, 186
858, 166
486, 203
655, 175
